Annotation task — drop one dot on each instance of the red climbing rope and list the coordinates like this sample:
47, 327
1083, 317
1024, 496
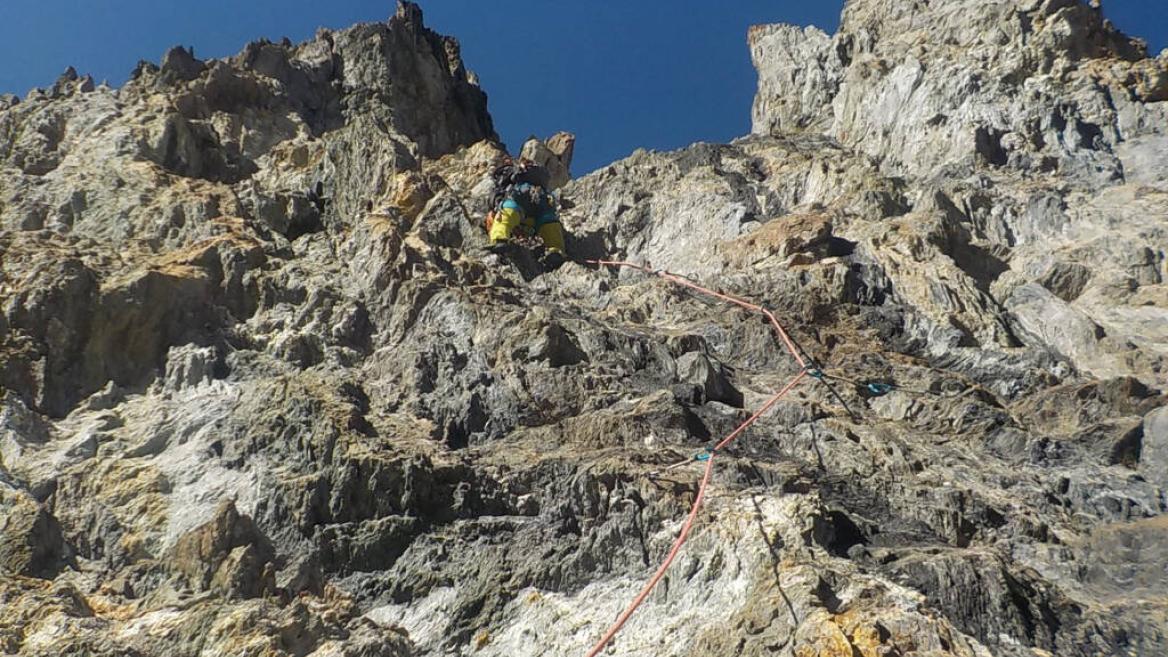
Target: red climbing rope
713, 452
787, 342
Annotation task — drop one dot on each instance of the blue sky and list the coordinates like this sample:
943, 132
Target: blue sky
621, 75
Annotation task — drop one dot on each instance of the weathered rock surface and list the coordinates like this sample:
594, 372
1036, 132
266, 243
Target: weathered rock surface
555, 155
265, 393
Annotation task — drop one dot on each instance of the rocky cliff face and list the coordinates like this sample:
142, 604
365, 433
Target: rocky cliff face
264, 393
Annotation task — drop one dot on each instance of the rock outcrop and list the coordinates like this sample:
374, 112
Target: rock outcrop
267, 393
555, 155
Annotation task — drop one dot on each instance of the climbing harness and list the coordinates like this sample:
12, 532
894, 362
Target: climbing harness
709, 454
511, 173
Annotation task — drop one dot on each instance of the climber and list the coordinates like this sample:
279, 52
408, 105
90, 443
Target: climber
521, 203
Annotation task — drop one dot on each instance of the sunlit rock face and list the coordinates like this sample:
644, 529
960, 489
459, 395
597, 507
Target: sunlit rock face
266, 392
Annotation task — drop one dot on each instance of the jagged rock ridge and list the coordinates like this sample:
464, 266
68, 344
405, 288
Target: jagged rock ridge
266, 394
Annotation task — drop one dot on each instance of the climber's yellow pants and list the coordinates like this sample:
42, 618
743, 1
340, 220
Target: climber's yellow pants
510, 217
506, 221
552, 235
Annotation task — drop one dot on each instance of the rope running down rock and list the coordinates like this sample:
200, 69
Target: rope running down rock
713, 451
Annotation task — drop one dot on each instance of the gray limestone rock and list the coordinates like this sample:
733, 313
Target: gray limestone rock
267, 392
1154, 447
31, 543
